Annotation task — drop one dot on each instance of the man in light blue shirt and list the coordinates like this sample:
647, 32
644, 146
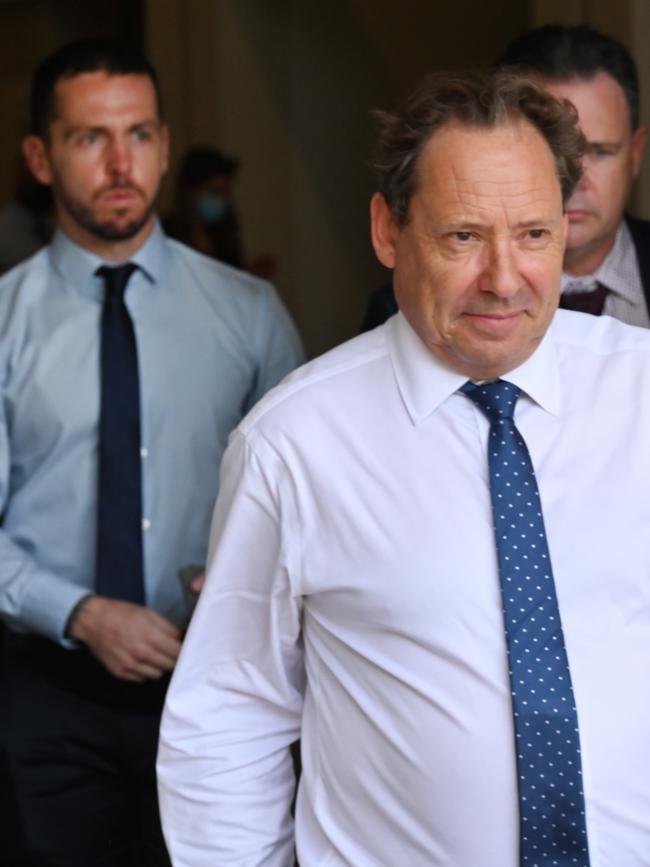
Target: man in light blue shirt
84, 674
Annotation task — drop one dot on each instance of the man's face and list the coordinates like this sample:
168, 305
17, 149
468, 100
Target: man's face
104, 158
612, 162
477, 266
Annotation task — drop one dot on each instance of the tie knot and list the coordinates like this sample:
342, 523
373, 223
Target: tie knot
115, 279
495, 399
589, 301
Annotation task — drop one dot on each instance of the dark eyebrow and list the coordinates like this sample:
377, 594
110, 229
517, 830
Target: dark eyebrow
150, 122
613, 146
535, 223
99, 130
75, 130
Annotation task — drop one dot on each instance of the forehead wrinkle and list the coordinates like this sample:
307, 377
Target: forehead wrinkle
480, 205
467, 175
491, 188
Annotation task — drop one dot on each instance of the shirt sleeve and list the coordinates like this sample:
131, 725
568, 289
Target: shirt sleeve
30, 597
281, 349
225, 775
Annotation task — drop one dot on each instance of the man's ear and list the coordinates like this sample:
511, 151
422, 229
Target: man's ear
384, 230
638, 148
35, 153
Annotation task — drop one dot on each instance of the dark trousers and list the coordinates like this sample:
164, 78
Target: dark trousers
77, 762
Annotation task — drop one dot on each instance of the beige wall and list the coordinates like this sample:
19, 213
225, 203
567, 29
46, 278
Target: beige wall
286, 86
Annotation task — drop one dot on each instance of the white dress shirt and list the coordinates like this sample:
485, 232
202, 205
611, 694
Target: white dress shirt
353, 544
619, 272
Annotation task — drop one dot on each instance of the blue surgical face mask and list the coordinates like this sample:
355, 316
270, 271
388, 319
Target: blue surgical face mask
212, 208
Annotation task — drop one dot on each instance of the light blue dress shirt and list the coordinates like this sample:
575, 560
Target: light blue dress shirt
211, 341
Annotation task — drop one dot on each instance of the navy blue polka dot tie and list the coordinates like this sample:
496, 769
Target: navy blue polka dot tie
551, 799
119, 567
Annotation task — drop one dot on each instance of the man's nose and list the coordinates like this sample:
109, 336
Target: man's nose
585, 177
500, 273
119, 157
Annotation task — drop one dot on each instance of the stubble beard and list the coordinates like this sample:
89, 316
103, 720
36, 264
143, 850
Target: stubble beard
108, 229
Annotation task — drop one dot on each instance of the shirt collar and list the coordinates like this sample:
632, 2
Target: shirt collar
425, 382
77, 266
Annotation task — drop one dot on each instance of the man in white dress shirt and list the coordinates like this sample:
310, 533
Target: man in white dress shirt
354, 595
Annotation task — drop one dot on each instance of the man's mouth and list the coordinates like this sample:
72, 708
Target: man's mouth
119, 195
495, 321
577, 213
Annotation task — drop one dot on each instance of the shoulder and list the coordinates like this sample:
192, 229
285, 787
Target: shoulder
637, 223
639, 230
246, 312
209, 274
25, 281
23, 291
324, 384
599, 336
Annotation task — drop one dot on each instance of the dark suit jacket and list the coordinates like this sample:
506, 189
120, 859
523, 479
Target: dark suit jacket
382, 303
640, 231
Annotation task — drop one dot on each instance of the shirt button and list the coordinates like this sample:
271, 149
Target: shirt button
146, 523
144, 452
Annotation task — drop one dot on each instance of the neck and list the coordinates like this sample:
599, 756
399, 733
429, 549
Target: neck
581, 262
107, 249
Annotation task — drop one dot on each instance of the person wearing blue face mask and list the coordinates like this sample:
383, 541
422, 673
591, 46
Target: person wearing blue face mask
212, 208
204, 216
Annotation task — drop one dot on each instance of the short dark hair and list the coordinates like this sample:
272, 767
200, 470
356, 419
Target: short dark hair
560, 53
480, 99
75, 58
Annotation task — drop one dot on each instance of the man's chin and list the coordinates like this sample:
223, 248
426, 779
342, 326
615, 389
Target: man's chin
111, 230
581, 230
118, 225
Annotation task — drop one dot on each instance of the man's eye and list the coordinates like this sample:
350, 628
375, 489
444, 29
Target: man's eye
462, 236
88, 138
600, 153
142, 135
536, 234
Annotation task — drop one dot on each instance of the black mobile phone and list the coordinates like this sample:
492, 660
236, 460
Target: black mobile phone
186, 575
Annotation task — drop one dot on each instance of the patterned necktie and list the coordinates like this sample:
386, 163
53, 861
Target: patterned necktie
592, 301
551, 800
119, 565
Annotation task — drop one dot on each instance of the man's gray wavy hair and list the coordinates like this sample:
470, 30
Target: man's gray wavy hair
475, 99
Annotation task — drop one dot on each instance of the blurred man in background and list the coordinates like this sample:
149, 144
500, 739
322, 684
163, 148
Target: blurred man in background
126, 361
204, 215
607, 258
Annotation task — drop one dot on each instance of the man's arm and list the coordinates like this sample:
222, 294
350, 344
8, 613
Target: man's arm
30, 596
225, 774
280, 348
132, 641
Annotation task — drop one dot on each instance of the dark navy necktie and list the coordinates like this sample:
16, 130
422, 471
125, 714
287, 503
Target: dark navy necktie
119, 565
592, 301
551, 800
